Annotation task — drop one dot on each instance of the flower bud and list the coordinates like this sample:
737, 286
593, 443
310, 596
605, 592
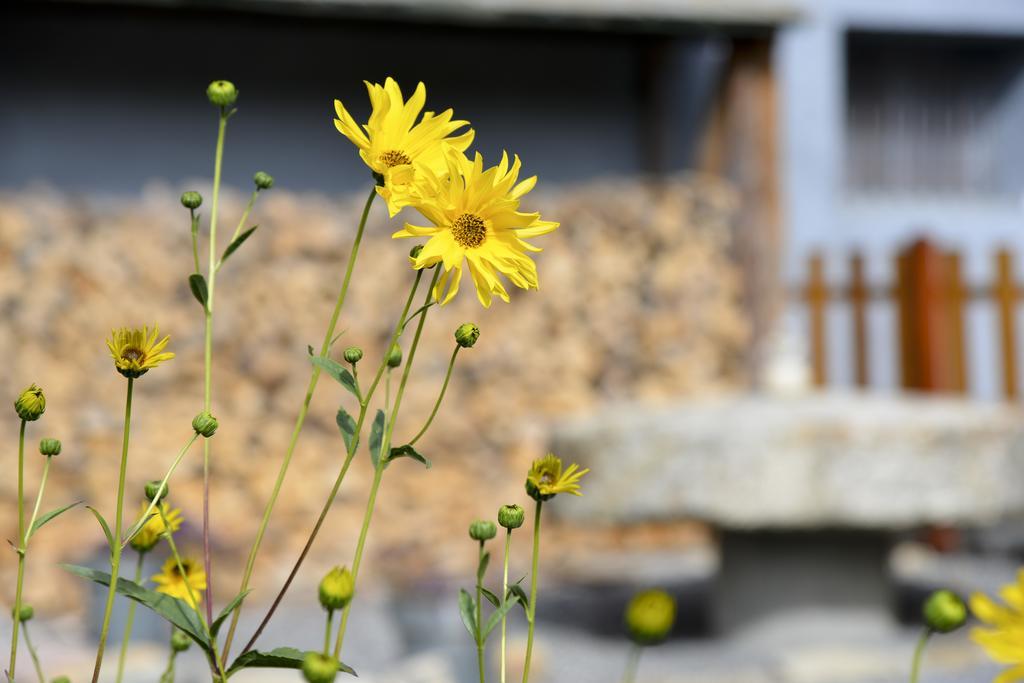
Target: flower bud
60, 679
49, 447
482, 530
511, 516
179, 641
30, 404
25, 614
222, 93
944, 611
650, 616
153, 487
336, 588
466, 335
263, 180
319, 668
191, 200
394, 358
414, 253
205, 424
353, 354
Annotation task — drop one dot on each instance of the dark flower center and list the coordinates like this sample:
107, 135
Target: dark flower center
132, 354
394, 157
469, 231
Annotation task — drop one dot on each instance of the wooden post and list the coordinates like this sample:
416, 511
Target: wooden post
1005, 294
956, 297
817, 305
859, 297
924, 320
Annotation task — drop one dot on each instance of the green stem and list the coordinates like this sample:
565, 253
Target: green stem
385, 449
300, 421
440, 397
168, 675
159, 493
35, 510
327, 631
241, 224
115, 558
531, 612
21, 554
915, 669
129, 621
195, 238
504, 596
208, 355
479, 616
35, 656
632, 664
350, 453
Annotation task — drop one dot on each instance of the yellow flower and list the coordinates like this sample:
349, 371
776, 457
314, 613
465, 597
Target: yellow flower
1003, 640
172, 582
153, 530
394, 145
476, 219
546, 478
136, 351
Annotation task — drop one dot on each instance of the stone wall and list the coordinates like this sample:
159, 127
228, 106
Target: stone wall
639, 300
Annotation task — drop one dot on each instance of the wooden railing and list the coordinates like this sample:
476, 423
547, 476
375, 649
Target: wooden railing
930, 297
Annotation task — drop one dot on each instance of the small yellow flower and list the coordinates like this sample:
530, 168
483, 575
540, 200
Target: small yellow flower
476, 219
1003, 640
546, 478
171, 581
136, 351
650, 616
394, 145
154, 529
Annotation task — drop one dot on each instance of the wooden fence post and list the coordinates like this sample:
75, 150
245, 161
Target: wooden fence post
859, 296
817, 304
956, 296
1005, 293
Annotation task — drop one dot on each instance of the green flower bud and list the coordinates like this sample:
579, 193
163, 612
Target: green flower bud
191, 200
222, 93
944, 611
205, 424
25, 614
319, 668
30, 404
511, 516
263, 180
466, 335
482, 530
153, 487
394, 358
60, 679
414, 253
179, 641
353, 354
49, 447
336, 588
650, 616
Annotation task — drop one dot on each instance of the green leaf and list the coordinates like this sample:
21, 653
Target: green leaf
491, 597
498, 614
197, 283
376, 436
466, 608
348, 429
407, 451
338, 372
515, 590
226, 612
481, 568
176, 611
48, 516
237, 242
103, 524
278, 658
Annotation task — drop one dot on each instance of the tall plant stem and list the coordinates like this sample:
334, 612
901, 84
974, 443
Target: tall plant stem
632, 664
129, 621
115, 552
479, 616
299, 421
350, 453
440, 397
531, 613
504, 596
385, 449
21, 552
35, 657
208, 355
915, 669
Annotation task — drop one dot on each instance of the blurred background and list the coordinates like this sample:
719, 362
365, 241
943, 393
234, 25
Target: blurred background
779, 321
